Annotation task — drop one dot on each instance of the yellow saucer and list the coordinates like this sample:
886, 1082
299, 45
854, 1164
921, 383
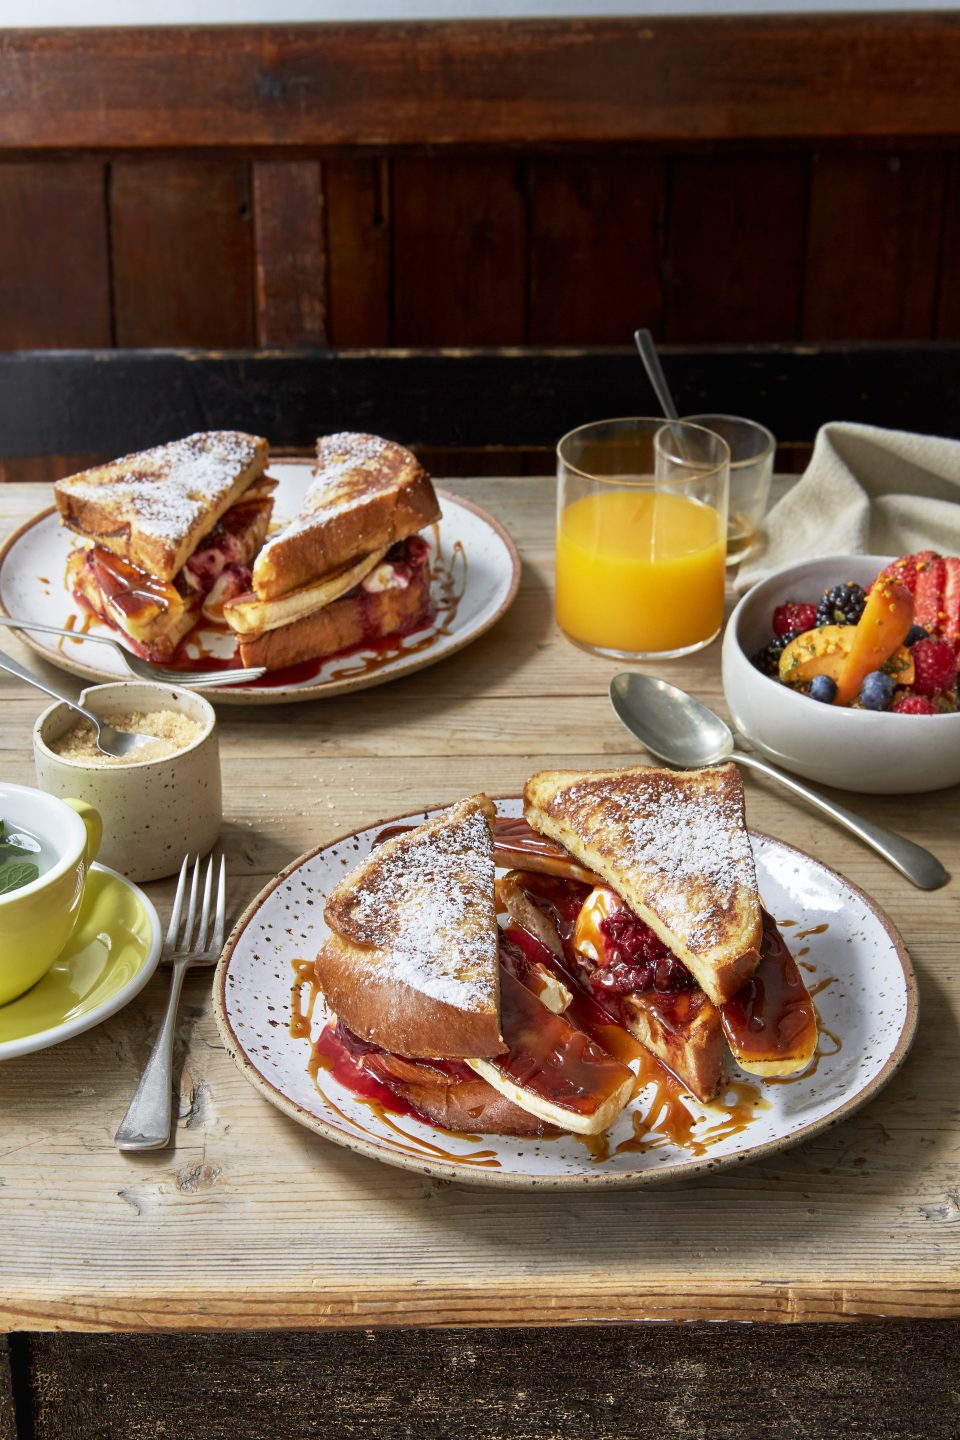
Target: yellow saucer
108, 959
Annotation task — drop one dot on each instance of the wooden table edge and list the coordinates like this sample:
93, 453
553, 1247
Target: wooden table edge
836, 1303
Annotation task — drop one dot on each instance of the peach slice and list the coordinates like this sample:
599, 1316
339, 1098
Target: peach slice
825, 651
881, 629
822, 651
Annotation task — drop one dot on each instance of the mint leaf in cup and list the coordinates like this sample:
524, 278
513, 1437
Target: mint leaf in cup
14, 874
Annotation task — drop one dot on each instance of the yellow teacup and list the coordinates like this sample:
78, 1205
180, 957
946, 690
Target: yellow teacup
37, 920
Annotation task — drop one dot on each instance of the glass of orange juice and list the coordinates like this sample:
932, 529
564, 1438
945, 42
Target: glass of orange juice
641, 537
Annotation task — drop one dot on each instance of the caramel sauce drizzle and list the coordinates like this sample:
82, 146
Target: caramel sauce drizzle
87, 621
301, 1018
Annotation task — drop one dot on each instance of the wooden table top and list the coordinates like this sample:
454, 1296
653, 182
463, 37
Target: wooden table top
250, 1221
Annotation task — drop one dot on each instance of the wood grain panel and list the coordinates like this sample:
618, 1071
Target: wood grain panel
874, 246
291, 263
734, 247
358, 251
948, 309
596, 229
182, 252
881, 1382
54, 259
460, 251
551, 81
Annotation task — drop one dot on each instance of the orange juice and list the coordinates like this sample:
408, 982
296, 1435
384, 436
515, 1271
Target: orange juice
640, 571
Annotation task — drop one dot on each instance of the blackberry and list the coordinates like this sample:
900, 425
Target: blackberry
767, 660
843, 605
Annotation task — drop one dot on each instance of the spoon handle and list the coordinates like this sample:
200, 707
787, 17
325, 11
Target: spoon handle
648, 354
915, 863
13, 667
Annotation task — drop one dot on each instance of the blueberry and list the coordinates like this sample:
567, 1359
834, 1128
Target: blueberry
822, 688
876, 692
915, 633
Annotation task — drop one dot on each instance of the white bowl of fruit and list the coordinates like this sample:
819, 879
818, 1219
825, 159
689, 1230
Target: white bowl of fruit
844, 670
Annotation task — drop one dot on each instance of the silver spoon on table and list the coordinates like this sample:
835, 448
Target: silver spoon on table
679, 729
115, 743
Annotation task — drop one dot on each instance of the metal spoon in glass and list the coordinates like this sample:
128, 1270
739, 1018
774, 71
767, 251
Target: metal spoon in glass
679, 729
116, 743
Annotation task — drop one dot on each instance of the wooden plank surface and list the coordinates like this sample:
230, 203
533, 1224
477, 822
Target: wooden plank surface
251, 1222
459, 251
182, 253
290, 252
554, 81
54, 254
878, 1382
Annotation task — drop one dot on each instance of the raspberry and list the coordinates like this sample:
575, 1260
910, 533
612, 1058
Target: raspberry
793, 618
914, 705
935, 666
637, 959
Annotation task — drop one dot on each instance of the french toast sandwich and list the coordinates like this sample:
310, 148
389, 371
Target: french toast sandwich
650, 899
350, 567
674, 845
433, 1001
169, 534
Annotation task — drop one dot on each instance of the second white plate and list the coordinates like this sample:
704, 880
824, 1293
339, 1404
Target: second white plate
475, 569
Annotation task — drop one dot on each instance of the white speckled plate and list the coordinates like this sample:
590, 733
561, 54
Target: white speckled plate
476, 572
855, 961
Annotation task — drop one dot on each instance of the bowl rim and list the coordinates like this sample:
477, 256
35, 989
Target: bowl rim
732, 627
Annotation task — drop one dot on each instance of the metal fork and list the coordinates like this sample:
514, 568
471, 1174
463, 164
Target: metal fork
145, 669
147, 1123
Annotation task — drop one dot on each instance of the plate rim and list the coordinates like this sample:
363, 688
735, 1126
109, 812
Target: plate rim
590, 1179
284, 694
69, 1029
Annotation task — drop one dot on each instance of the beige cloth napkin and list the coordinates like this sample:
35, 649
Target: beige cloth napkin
866, 491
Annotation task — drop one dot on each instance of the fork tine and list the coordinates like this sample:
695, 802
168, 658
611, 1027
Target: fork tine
170, 943
200, 939
192, 907
221, 917
194, 678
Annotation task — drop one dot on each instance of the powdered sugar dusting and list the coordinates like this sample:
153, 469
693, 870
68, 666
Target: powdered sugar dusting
349, 467
429, 905
689, 849
171, 487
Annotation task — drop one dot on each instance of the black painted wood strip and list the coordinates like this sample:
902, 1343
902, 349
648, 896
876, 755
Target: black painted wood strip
111, 402
875, 1382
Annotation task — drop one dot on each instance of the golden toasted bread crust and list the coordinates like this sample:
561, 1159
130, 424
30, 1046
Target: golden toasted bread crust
352, 620
412, 960
693, 1048
674, 845
366, 494
153, 508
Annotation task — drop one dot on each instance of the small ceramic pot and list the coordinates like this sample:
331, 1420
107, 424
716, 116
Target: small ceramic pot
37, 920
154, 811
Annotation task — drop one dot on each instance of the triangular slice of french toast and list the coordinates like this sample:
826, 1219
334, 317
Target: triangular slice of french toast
154, 508
366, 494
411, 963
674, 845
